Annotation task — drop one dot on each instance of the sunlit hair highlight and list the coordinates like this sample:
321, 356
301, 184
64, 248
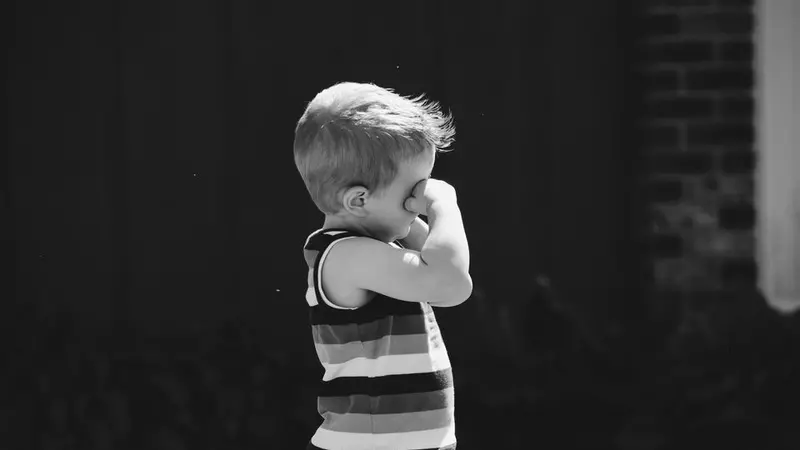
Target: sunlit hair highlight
355, 134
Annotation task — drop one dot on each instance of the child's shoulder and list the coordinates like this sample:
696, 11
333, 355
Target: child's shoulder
325, 237
337, 245
358, 264
345, 258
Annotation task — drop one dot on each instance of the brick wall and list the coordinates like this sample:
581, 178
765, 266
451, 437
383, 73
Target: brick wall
695, 63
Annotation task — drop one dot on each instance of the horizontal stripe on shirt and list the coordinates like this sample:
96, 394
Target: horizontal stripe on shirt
413, 440
388, 404
388, 423
433, 361
379, 307
370, 331
392, 344
388, 385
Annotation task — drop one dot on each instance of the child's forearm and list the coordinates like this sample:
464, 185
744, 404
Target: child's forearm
417, 236
446, 245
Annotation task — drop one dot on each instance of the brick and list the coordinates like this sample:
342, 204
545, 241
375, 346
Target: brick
739, 161
681, 163
661, 80
664, 191
720, 134
677, 52
718, 243
665, 246
702, 190
683, 216
661, 135
736, 51
739, 271
737, 217
736, 188
735, 108
720, 79
680, 107
718, 23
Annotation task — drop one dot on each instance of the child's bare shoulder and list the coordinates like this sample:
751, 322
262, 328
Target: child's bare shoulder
360, 264
344, 264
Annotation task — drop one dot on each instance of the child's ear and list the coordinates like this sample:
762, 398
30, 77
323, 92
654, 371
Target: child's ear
354, 200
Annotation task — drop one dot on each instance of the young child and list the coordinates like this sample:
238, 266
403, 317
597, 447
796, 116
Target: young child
365, 154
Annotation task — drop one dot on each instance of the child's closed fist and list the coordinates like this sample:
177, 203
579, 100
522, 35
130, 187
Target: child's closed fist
426, 193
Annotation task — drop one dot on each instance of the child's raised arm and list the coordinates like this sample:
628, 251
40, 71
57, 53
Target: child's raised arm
446, 245
439, 274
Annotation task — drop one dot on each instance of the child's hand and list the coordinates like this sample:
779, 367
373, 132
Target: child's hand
426, 193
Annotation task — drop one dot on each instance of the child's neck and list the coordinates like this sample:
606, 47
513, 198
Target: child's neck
335, 221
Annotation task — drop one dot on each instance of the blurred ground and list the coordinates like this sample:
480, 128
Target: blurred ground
722, 373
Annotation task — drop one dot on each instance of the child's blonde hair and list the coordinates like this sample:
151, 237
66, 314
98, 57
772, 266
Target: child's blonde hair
354, 134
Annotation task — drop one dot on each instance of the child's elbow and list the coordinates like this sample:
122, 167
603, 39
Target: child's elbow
457, 292
466, 288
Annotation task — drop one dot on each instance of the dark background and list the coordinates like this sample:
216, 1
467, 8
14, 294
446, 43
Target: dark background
154, 217
151, 168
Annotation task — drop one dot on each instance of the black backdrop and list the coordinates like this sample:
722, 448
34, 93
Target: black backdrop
150, 191
151, 175
151, 188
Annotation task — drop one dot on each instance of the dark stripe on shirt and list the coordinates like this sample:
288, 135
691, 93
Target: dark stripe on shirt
378, 308
388, 385
394, 325
388, 404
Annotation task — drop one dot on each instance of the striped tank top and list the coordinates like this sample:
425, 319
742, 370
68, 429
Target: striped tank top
387, 382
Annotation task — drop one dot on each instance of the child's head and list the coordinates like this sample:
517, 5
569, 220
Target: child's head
355, 135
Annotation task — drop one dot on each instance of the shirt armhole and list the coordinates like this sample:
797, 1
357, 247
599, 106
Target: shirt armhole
318, 275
